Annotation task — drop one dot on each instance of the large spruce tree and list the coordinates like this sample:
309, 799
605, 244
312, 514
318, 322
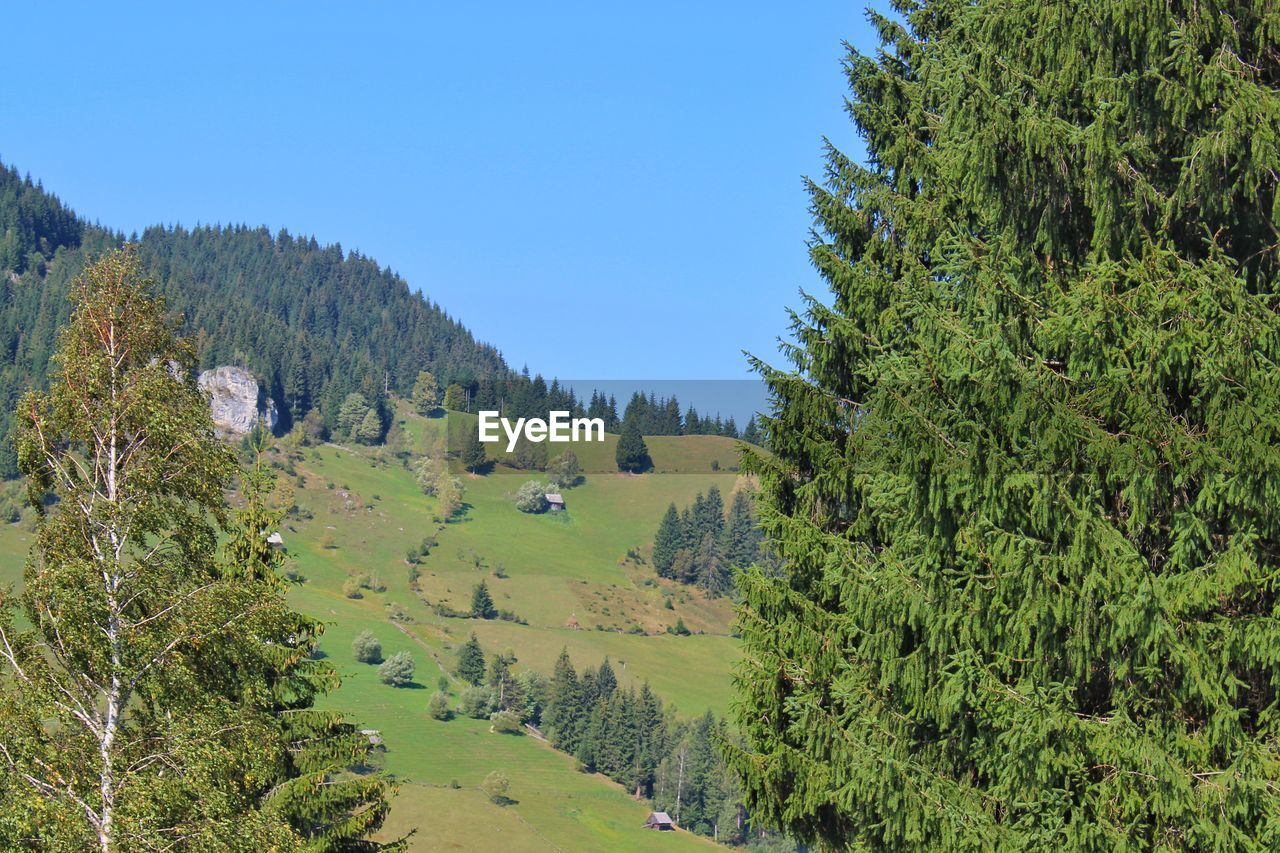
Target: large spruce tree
1027, 463
631, 453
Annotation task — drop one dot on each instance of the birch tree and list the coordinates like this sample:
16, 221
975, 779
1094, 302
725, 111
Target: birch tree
110, 735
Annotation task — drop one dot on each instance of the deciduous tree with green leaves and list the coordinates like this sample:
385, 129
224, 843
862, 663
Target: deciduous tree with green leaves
1027, 462
112, 728
426, 393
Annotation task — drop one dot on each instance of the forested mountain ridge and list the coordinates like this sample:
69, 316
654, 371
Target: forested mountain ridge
314, 322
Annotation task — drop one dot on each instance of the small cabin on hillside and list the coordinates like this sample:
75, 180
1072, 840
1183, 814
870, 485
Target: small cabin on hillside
660, 821
275, 540
555, 501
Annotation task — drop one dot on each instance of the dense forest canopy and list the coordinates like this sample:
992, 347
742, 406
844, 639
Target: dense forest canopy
313, 322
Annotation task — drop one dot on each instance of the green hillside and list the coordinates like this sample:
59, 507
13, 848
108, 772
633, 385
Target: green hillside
312, 321
360, 510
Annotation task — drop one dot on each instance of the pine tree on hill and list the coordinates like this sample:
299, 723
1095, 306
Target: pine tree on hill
652, 747
632, 454
713, 574
606, 680
482, 606
471, 661
563, 718
1027, 462
740, 542
474, 456
709, 514
314, 790
667, 543
506, 688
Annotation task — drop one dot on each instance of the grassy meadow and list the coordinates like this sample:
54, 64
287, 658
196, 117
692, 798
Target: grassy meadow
361, 512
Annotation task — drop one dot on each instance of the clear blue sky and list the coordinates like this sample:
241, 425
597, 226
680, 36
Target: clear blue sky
598, 190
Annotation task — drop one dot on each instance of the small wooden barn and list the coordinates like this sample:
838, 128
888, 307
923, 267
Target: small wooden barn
555, 500
660, 821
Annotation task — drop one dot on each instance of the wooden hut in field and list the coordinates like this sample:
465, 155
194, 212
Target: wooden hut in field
660, 821
555, 501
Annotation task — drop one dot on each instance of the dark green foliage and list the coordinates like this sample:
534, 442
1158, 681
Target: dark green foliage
668, 541
34, 225
528, 455
661, 416
315, 322
605, 408
741, 540
633, 739
315, 790
482, 602
1028, 461
535, 688
397, 670
606, 681
632, 454
564, 717
699, 547
473, 455
471, 661
694, 785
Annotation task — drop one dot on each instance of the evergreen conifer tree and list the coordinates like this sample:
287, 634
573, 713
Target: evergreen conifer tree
482, 606
632, 453
563, 718
667, 542
1026, 465
471, 661
606, 680
474, 457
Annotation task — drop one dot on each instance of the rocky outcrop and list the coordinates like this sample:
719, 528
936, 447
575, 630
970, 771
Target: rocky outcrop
236, 401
